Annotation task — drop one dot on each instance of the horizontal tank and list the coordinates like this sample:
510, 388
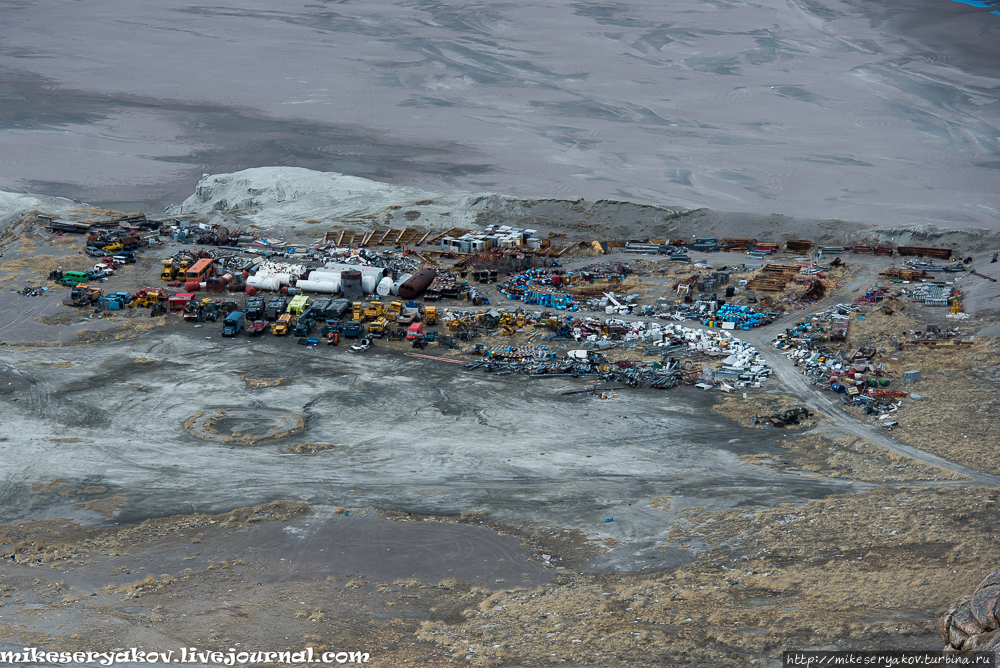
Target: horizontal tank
398, 282
326, 287
417, 284
324, 275
264, 282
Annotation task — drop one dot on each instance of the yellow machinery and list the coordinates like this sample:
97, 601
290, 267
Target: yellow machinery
357, 308
508, 323
283, 325
168, 270
298, 304
181, 270
430, 316
394, 310
146, 297
379, 327
374, 311
456, 324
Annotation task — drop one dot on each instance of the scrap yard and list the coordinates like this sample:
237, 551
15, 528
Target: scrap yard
693, 447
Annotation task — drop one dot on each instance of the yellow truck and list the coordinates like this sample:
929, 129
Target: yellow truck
430, 316
283, 325
168, 270
357, 308
379, 327
394, 310
374, 311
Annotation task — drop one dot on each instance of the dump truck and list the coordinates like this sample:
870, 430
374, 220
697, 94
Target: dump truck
374, 311
282, 326
357, 310
83, 295
234, 323
275, 307
430, 316
379, 327
394, 310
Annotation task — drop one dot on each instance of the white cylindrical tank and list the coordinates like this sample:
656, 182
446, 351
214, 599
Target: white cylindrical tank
384, 287
372, 271
399, 281
324, 275
264, 282
368, 283
328, 287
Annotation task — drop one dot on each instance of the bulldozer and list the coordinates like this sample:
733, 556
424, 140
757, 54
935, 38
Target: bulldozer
374, 311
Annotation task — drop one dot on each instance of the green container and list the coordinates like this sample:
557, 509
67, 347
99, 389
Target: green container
884, 382
873, 382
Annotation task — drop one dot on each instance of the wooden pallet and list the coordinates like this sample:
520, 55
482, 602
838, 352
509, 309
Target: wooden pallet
767, 284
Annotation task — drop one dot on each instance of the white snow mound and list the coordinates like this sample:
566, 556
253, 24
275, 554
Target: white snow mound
268, 196
13, 205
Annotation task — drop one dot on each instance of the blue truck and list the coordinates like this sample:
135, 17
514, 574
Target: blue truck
234, 323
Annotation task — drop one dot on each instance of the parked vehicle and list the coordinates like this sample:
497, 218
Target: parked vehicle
234, 323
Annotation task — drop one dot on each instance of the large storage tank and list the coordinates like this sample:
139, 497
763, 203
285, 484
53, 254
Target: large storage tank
326, 287
398, 282
264, 282
350, 284
368, 284
324, 275
384, 287
415, 286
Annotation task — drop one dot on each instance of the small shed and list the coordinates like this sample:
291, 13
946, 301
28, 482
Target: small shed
911, 376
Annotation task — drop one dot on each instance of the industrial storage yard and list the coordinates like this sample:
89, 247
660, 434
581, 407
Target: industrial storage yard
492, 432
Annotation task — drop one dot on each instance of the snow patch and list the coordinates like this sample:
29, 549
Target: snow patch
14, 205
269, 196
